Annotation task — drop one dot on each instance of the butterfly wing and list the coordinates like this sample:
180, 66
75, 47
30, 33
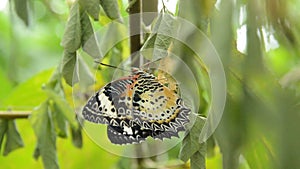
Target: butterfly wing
102, 106
135, 108
161, 109
112, 105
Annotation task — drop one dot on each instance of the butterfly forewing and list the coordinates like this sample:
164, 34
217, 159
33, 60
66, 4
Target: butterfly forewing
137, 107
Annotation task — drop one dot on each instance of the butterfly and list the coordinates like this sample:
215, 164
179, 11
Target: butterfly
136, 107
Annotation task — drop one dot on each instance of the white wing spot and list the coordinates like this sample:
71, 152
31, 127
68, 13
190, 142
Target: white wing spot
128, 130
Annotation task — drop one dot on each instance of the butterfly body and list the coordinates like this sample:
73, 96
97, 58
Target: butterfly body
137, 107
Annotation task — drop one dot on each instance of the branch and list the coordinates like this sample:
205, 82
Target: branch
14, 114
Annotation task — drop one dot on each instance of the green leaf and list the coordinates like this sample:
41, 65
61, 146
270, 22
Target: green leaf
150, 42
280, 60
196, 12
198, 159
72, 37
231, 131
59, 121
76, 137
37, 118
160, 39
253, 64
54, 79
259, 154
190, 143
85, 75
36, 153
111, 8
75, 70
291, 79
3, 129
89, 42
29, 93
114, 32
21, 7
60, 105
92, 7
211, 145
69, 68
44, 130
13, 138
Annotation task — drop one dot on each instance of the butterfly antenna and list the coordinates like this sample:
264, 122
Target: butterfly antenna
111, 66
148, 63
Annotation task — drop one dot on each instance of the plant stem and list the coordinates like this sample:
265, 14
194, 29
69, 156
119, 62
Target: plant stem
14, 114
135, 30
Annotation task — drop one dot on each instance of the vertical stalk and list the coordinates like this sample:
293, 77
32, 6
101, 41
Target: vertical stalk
149, 6
134, 26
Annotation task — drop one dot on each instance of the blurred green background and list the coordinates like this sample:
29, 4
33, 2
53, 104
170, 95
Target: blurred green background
258, 42
28, 56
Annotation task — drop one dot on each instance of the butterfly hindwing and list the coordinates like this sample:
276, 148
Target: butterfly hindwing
103, 103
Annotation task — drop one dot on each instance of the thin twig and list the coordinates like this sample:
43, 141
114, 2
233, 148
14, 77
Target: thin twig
111, 66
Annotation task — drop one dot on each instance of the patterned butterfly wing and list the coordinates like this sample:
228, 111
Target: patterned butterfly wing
135, 108
160, 109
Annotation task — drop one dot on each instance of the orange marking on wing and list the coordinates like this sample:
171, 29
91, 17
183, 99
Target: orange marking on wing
171, 97
129, 91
